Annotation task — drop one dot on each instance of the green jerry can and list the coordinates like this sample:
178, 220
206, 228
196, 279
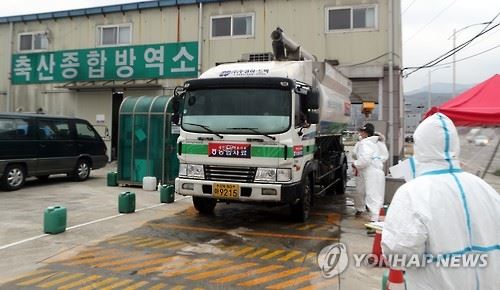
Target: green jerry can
112, 178
126, 202
54, 220
167, 194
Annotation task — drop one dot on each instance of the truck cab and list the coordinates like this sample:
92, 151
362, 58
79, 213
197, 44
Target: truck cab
249, 134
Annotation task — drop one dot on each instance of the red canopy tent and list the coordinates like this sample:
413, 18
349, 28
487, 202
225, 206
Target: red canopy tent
478, 106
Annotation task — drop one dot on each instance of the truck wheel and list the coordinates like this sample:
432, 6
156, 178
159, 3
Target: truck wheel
204, 205
13, 177
341, 185
300, 210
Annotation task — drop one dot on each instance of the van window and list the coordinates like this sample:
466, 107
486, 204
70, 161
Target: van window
54, 130
14, 129
85, 131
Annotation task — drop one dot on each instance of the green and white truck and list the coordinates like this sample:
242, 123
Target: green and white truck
264, 132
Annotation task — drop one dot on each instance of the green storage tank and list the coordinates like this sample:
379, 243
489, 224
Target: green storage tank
147, 140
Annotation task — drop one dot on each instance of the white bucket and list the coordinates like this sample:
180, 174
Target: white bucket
149, 183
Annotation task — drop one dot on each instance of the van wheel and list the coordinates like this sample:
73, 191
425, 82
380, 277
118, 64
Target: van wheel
204, 205
82, 170
14, 177
300, 210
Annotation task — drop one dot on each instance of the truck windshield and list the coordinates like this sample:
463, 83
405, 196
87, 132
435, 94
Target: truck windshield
233, 110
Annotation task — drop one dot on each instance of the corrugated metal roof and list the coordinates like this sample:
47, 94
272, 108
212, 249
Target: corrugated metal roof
102, 10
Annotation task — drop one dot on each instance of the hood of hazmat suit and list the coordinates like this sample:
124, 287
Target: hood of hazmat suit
443, 226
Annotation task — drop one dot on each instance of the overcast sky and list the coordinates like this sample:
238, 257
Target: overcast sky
427, 29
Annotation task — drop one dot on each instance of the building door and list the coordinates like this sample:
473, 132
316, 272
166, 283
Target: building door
117, 101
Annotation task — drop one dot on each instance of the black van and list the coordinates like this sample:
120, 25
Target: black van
40, 145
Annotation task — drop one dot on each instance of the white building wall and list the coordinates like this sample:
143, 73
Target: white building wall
302, 20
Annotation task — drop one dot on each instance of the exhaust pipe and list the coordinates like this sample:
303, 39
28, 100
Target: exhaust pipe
285, 48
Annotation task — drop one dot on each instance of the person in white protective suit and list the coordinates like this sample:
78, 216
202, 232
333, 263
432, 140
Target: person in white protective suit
359, 193
370, 164
443, 213
382, 148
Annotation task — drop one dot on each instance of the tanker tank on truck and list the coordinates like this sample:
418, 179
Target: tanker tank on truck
264, 132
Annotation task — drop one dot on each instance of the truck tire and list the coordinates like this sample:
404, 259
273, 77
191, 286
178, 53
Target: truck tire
341, 185
14, 177
300, 210
204, 205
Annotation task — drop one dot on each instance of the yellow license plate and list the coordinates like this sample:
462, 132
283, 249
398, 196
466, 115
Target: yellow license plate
228, 191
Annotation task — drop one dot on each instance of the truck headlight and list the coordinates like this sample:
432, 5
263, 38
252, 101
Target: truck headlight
284, 174
183, 169
195, 171
265, 174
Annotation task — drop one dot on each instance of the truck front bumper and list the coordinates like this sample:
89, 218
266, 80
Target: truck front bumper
249, 192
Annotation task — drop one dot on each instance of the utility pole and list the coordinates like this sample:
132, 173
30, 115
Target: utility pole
454, 37
429, 95
391, 83
454, 62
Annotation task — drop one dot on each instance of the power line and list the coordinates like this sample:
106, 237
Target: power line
370, 60
470, 56
457, 49
450, 52
408, 7
432, 20
373, 59
483, 39
460, 47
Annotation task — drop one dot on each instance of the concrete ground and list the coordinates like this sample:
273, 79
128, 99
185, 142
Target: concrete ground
23, 245
104, 249
170, 246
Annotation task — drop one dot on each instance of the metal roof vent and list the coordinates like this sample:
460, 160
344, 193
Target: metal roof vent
266, 56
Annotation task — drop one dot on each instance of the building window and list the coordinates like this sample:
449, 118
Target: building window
346, 18
240, 25
114, 34
33, 41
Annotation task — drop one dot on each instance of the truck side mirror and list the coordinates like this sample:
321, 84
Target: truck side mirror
179, 91
313, 117
176, 108
312, 99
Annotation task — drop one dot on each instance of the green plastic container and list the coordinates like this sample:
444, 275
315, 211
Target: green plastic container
167, 194
112, 178
126, 202
54, 220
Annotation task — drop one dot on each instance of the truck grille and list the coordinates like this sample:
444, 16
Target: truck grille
224, 173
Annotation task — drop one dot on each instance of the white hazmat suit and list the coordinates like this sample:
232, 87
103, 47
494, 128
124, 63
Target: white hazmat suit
445, 213
359, 195
370, 164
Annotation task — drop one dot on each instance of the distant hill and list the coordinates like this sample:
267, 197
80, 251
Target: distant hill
440, 88
416, 100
